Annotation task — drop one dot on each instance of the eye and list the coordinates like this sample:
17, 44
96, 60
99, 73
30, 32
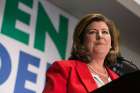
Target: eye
92, 32
105, 32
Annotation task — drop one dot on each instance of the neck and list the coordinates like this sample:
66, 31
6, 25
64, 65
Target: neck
97, 60
97, 63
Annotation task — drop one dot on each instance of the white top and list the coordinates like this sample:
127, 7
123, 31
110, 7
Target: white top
98, 80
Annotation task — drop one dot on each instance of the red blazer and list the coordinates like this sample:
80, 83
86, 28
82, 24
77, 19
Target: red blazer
71, 76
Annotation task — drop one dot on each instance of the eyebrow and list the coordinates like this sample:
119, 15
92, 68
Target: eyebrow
101, 29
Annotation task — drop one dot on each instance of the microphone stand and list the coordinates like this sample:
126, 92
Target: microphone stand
129, 62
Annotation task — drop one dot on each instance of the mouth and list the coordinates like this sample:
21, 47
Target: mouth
99, 43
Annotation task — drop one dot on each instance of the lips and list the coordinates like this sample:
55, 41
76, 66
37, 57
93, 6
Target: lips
99, 43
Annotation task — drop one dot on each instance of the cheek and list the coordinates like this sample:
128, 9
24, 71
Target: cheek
89, 42
109, 42
90, 39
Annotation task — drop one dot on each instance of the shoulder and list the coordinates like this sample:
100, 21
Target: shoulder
63, 65
61, 68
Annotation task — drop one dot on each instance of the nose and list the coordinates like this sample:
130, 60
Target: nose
98, 35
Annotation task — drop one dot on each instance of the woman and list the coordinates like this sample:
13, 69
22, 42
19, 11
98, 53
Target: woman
95, 44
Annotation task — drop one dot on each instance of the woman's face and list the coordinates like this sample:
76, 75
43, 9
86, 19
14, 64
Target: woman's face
97, 38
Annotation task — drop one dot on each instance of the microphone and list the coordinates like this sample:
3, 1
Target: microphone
128, 62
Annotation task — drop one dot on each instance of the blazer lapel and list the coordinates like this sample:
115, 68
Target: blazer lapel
85, 76
112, 74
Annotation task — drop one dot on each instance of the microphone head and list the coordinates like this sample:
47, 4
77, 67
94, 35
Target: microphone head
127, 65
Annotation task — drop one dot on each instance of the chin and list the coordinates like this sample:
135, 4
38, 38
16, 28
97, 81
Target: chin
102, 52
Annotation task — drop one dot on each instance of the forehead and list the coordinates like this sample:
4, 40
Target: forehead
97, 24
